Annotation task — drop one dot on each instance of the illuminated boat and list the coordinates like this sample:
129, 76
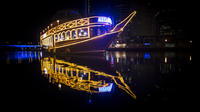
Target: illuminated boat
91, 34
81, 78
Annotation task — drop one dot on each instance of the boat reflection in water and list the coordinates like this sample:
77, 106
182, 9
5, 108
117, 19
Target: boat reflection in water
80, 77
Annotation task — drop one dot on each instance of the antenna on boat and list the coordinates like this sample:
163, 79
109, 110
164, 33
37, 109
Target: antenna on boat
87, 8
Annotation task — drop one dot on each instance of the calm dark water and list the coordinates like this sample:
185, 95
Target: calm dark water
112, 80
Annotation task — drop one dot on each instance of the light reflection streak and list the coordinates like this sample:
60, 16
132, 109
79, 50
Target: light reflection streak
190, 58
165, 59
21, 56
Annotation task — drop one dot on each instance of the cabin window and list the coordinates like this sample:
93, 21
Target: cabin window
69, 73
95, 31
73, 34
56, 68
63, 35
64, 71
60, 38
83, 32
60, 70
74, 73
56, 37
68, 34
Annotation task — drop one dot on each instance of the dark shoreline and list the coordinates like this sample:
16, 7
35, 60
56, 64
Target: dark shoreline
7, 49
151, 49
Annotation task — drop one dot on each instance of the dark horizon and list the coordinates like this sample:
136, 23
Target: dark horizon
29, 18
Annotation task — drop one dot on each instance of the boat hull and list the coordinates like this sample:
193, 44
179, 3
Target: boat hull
88, 46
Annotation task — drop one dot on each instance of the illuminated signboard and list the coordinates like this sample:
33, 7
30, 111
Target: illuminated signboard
105, 19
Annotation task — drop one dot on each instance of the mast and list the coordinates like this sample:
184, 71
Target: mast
87, 8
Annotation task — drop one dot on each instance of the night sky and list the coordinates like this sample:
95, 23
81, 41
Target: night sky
23, 20
27, 18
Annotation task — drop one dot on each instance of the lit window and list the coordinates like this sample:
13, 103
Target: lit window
56, 37
60, 38
63, 35
95, 31
60, 70
56, 68
83, 32
68, 34
73, 34
64, 71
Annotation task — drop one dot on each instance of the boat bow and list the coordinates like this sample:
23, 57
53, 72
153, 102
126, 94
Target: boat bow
120, 26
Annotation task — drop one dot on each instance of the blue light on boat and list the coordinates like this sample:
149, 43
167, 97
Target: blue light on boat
147, 44
146, 56
106, 89
105, 19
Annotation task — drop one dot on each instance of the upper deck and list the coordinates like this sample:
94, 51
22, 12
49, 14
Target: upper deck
83, 22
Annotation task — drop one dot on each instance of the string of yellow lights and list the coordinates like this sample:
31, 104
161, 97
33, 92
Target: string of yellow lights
72, 77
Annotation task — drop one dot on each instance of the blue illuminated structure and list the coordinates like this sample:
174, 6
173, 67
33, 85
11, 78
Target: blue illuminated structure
25, 55
146, 44
21, 55
105, 19
106, 89
21, 46
146, 55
